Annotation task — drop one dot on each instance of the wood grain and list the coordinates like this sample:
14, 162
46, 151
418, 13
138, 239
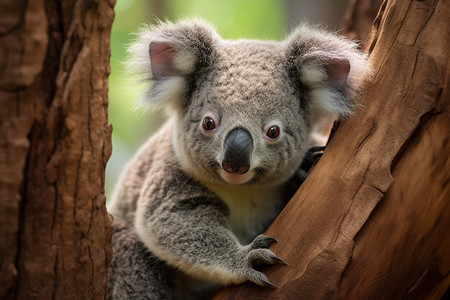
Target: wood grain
55, 233
359, 18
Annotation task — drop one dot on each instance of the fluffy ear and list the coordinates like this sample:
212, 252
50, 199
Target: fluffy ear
169, 55
330, 68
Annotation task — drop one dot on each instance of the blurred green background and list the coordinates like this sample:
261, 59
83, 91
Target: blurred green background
233, 19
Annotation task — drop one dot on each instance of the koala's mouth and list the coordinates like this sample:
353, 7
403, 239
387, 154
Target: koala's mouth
236, 178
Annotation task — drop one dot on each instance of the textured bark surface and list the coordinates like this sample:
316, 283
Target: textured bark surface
55, 233
359, 18
372, 220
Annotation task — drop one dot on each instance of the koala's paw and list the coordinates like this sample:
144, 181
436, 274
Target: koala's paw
259, 255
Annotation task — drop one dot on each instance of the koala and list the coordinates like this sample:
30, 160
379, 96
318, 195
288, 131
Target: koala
192, 205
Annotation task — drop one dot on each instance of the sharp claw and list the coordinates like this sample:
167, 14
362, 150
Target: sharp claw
268, 283
273, 256
271, 239
263, 242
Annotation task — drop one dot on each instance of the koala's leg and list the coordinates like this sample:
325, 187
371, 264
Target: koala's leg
191, 233
134, 273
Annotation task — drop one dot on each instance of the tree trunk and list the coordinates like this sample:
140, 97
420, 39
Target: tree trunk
55, 233
372, 219
359, 18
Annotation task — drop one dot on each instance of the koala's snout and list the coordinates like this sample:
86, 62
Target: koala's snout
238, 151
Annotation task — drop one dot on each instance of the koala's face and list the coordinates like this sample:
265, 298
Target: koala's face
244, 109
243, 122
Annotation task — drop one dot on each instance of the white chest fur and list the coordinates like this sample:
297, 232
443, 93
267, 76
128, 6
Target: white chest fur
252, 209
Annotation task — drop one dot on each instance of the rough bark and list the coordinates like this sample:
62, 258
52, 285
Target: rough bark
359, 18
371, 221
55, 233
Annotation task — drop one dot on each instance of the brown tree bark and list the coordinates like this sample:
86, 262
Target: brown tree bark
372, 219
55, 233
359, 18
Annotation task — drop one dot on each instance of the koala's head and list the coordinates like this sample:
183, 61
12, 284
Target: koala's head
244, 109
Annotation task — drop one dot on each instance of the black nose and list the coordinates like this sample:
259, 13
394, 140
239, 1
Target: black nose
238, 150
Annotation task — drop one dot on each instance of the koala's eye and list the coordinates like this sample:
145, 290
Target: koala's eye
273, 132
208, 123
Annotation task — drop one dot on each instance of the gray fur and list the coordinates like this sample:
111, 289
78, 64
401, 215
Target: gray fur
191, 225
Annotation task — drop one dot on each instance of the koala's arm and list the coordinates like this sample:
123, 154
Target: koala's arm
185, 225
